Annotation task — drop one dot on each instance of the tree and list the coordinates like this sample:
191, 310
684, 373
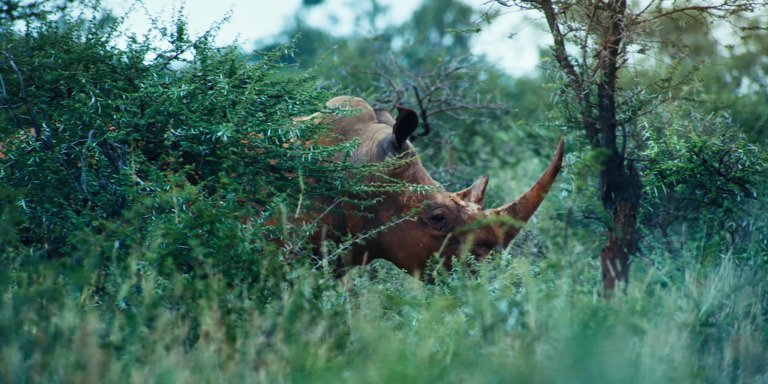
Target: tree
728, 75
17, 10
593, 44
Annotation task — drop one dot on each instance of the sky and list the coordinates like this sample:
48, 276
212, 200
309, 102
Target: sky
254, 21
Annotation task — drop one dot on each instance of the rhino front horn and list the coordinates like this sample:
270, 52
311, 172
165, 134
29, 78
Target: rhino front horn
523, 208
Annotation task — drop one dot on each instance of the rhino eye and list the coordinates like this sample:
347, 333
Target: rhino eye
438, 220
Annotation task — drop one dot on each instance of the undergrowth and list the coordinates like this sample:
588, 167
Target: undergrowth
510, 320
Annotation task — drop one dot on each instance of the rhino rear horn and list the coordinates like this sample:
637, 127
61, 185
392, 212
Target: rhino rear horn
475, 193
523, 208
406, 123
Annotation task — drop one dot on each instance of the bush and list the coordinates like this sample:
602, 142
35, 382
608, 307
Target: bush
703, 177
119, 165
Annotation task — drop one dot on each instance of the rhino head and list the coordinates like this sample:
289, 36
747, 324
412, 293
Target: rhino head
441, 223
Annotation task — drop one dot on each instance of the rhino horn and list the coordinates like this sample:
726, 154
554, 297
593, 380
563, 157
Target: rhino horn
475, 193
523, 208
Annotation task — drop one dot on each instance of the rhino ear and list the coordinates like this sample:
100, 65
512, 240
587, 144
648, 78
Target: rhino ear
406, 123
475, 193
384, 117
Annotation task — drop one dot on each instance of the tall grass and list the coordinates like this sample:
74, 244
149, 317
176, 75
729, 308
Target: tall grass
509, 320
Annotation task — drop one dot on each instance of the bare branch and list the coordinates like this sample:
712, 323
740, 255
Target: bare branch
25, 100
424, 117
716, 11
8, 106
561, 54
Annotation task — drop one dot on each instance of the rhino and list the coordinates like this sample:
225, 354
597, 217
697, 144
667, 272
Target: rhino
437, 222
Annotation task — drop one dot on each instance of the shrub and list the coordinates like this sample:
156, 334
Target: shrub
702, 178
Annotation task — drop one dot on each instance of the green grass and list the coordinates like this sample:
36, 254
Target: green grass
511, 321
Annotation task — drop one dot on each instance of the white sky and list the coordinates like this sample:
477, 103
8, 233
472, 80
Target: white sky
260, 20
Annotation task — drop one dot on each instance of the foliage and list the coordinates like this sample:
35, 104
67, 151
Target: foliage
111, 157
701, 171
720, 74
12, 11
155, 204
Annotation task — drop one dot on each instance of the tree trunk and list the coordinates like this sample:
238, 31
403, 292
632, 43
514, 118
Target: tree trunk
620, 195
620, 184
619, 181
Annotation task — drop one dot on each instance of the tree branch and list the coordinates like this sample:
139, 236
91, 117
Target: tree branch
561, 54
424, 117
25, 100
